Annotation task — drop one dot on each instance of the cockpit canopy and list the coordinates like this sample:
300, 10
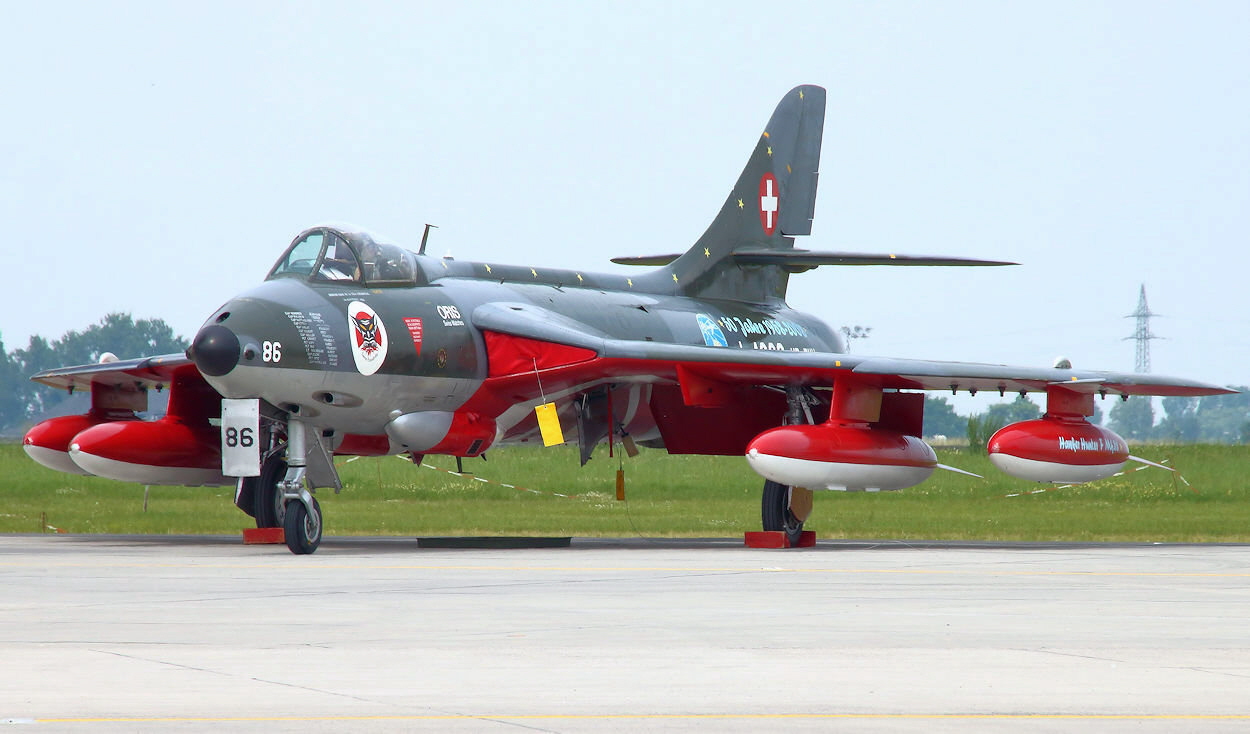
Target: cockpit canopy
333, 255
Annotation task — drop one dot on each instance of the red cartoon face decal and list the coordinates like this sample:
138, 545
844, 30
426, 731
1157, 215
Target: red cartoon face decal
367, 338
369, 342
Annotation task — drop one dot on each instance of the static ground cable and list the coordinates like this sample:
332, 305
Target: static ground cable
474, 477
1175, 474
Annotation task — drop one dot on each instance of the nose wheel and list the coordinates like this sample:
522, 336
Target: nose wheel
302, 526
777, 514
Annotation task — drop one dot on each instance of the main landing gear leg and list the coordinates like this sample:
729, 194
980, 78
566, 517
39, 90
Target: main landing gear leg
301, 522
782, 507
268, 505
786, 509
260, 496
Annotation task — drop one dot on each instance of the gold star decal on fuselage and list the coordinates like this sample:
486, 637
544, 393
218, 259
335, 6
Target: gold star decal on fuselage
630, 281
739, 203
488, 270
674, 277
800, 94
534, 272
706, 252
579, 277
770, 151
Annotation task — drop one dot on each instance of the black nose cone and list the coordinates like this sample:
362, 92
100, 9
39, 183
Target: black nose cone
215, 350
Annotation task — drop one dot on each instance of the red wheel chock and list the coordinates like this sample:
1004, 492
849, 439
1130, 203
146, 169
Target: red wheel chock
777, 539
263, 536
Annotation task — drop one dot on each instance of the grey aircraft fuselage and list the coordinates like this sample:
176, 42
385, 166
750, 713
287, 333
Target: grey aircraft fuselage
298, 344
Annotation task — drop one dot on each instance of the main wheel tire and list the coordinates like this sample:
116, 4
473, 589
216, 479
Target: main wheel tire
268, 504
775, 512
245, 496
302, 530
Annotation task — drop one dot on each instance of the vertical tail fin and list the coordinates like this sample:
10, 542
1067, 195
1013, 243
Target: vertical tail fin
772, 202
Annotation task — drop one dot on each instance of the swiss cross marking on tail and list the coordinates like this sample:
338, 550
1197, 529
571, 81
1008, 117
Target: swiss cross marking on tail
769, 203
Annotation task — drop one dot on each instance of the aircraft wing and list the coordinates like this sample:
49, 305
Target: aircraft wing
763, 367
931, 375
129, 374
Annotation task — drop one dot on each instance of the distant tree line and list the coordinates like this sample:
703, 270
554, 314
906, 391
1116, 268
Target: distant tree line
1210, 419
23, 401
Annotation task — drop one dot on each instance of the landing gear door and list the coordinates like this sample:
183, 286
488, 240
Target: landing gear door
240, 438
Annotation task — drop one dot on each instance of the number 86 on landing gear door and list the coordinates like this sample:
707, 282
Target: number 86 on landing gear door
240, 438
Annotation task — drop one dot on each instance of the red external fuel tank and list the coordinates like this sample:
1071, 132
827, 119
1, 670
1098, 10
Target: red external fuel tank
1057, 449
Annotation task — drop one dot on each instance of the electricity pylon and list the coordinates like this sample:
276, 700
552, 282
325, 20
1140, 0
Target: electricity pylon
1142, 334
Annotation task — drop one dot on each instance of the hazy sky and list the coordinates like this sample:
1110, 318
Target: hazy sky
157, 158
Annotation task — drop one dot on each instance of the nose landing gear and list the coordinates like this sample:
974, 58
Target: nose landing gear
302, 524
301, 521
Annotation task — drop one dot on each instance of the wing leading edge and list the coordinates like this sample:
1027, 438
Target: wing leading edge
760, 367
130, 374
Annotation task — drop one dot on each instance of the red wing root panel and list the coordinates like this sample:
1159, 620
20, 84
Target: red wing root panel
513, 355
723, 431
191, 399
703, 391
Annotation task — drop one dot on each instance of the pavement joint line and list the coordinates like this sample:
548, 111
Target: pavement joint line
645, 717
603, 569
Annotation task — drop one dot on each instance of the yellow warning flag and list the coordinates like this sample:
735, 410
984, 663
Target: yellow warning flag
549, 424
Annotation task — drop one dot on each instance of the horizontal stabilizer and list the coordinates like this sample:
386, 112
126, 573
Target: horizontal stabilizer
653, 260
812, 258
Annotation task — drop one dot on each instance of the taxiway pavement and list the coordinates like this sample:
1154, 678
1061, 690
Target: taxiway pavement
104, 634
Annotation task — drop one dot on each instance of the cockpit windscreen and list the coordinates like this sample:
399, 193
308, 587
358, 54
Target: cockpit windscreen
331, 255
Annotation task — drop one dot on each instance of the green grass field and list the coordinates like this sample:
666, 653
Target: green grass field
668, 496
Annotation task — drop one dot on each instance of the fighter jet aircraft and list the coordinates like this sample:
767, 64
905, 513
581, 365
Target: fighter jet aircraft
354, 345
